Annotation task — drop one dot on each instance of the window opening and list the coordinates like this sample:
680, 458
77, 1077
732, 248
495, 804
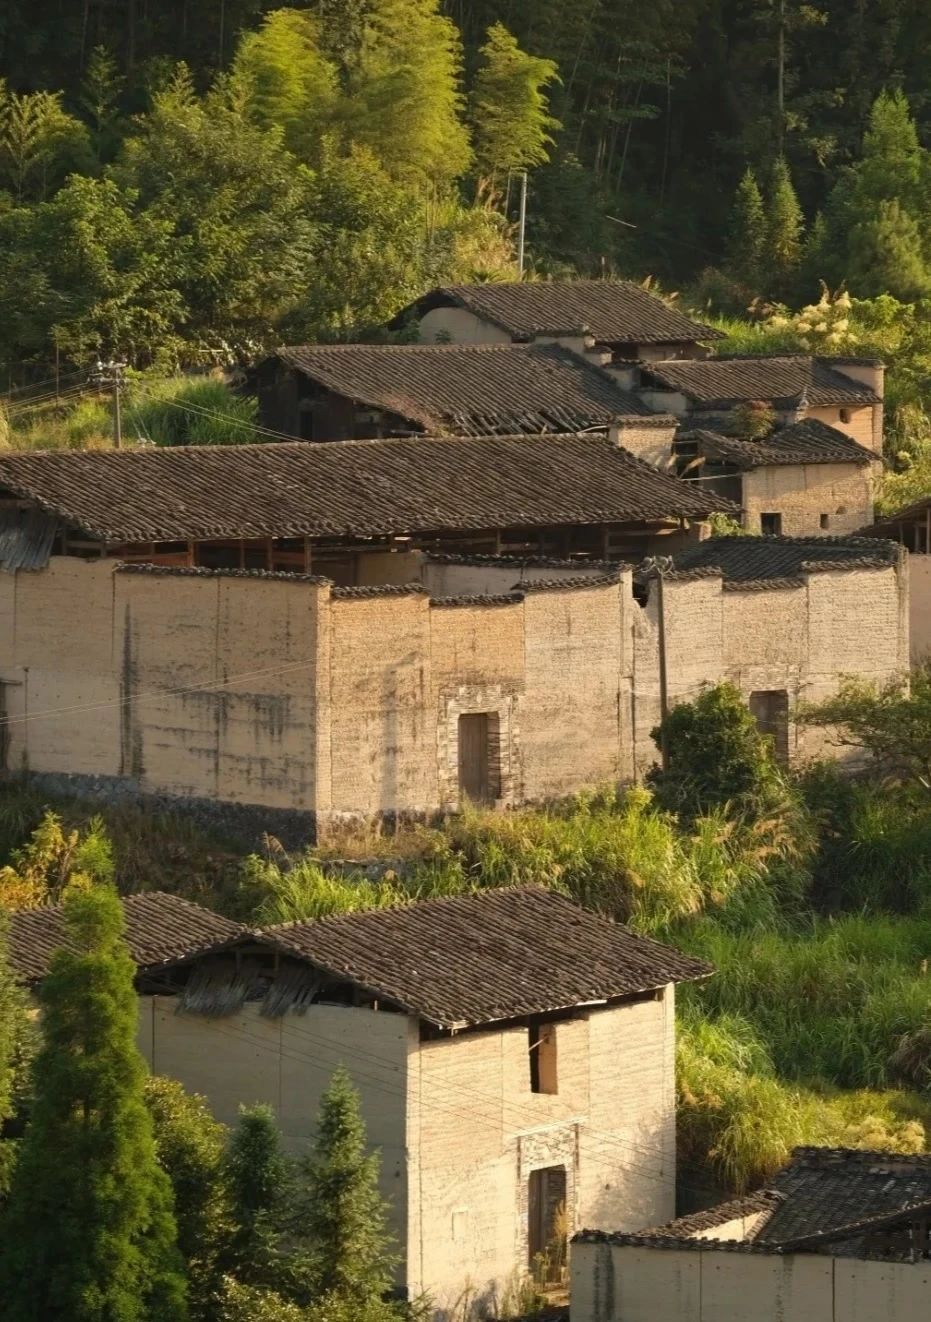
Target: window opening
541, 1046
771, 525
547, 1225
770, 709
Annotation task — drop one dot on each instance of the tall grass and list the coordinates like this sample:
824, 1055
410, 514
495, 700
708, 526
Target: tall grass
738, 1122
831, 1001
187, 410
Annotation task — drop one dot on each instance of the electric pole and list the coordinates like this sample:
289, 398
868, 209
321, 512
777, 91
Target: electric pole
110, 376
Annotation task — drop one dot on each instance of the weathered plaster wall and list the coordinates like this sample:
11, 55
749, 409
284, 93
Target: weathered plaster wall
803, 639
652, 444
803, 493
864, 423
459, 326
919, 591
629, 1283
288, 1063
476, 1132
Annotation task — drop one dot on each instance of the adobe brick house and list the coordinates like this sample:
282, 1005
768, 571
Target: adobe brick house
845, 393
838, 1234
802, 480
618, 316
361, 391
514, 1055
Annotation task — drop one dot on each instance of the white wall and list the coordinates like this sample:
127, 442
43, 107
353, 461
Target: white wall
636, 1283
919, 599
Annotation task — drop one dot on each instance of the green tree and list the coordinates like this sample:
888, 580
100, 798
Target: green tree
891, 723
256, 1181
747, 241
39, 143
287, 81
191, 1149
16, 1040
344, 1216
237, 205
403, 97
89, 1233
99, 100
885, 252
511, 121
716, 756
782, 249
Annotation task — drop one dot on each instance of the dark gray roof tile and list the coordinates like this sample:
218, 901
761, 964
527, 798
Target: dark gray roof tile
353, 488
714, 383
613, 311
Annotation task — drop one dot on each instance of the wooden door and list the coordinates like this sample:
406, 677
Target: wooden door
546, 1248
474, 758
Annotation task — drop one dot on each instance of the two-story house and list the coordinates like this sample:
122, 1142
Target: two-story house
514, 1055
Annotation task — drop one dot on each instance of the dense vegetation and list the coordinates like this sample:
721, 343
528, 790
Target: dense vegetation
810, 893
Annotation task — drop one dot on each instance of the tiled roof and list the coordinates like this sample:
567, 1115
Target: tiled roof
828, 1196
160, 929
826, 1189
613, 311
471, 389
754, 559
719, 382
493, 955
807, 442
361, 488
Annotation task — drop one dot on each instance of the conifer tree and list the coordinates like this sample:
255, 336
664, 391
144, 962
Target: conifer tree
783, 247
89, 1232
345, 1216
256, 1174
747, 233
512, 124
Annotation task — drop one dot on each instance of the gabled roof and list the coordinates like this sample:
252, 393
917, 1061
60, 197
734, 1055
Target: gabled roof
472, 959
350, 488
719, 382
825, 1197
613, 311
471, 389
807, 442
753, 559
890, 525
489, 956
828, 1189
160, 929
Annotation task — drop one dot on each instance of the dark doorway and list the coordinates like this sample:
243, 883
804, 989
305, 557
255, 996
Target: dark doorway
546, 1237
770, 709
478, 757
771, 525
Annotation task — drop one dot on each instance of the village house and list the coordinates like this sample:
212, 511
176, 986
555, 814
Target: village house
514, 1055
616, 316
364, 391
845, 393
911, 528
296, 703
839, 1234
804, 479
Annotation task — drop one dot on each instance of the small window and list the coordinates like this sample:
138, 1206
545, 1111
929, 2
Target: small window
771, 525
845, 415
770, 709
541, 1045
825, 522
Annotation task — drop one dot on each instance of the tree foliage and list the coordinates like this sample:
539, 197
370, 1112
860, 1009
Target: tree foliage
747, 233
56, 862
89, 1232
716, 756
512, 125
343, 1214
891, 723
